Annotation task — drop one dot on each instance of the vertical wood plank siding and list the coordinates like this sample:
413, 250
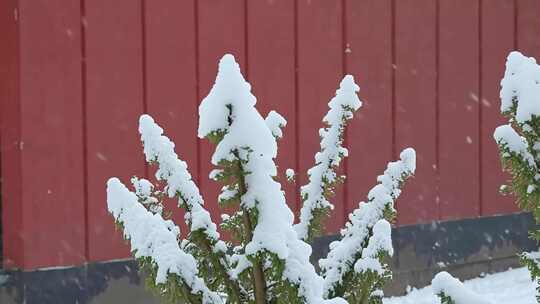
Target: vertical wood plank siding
75, 76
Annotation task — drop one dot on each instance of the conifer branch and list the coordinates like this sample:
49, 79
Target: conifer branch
451, 291
519, 141
323, 177
229, 119
267, 262
154, 242
355, 266
203, 232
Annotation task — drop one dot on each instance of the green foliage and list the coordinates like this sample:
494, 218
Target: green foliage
531, 262
445, 299
524, 184
525, 181
316, 226
357, 288
258, 277
365, 287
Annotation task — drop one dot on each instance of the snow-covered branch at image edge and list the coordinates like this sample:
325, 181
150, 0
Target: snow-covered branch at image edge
519, 142
266, 258
519, 147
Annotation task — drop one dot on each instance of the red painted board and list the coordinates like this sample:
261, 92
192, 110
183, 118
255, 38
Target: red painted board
320, 70
458, 103
497, 40
170, 78
528, 27
221, 30
270, 44
51, 134
415, 105
369, 60
114, 102
10, 135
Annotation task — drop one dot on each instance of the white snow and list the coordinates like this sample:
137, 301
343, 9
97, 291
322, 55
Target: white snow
227, 193
445, 283
275, 122
230, 99
369, 215
143, 187
289, 173
342, 107
522, 81
152, 236
230, 110
160, 149
509, 287
144, 190
368, 264
380, 241
506, 136
241, 262
533, 256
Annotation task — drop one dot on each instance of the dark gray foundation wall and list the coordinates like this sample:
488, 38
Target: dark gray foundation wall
466, 248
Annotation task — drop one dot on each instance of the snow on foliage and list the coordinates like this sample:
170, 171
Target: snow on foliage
229, 109
452, 291
146, 194
160, 149
509, 287
275, 122
368, 224
268, 259
507, 137
289, 174
323, 177
521, 83
380, 241
152, 236
519, 140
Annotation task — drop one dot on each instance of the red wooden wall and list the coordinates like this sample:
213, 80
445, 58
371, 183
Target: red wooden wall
75, 76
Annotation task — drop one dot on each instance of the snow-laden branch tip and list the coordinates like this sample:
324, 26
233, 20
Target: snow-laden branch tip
518, 141
229, 109
446, 285
509, 139
290, 175
160, 149
275, 122
145, 191
367, 223
323, 175
520, 87
380, 241
153, 237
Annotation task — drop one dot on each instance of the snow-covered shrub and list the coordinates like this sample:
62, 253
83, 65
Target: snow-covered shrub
452, 291
519, 147
267, 261
355, 266
322, 177
519, 141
